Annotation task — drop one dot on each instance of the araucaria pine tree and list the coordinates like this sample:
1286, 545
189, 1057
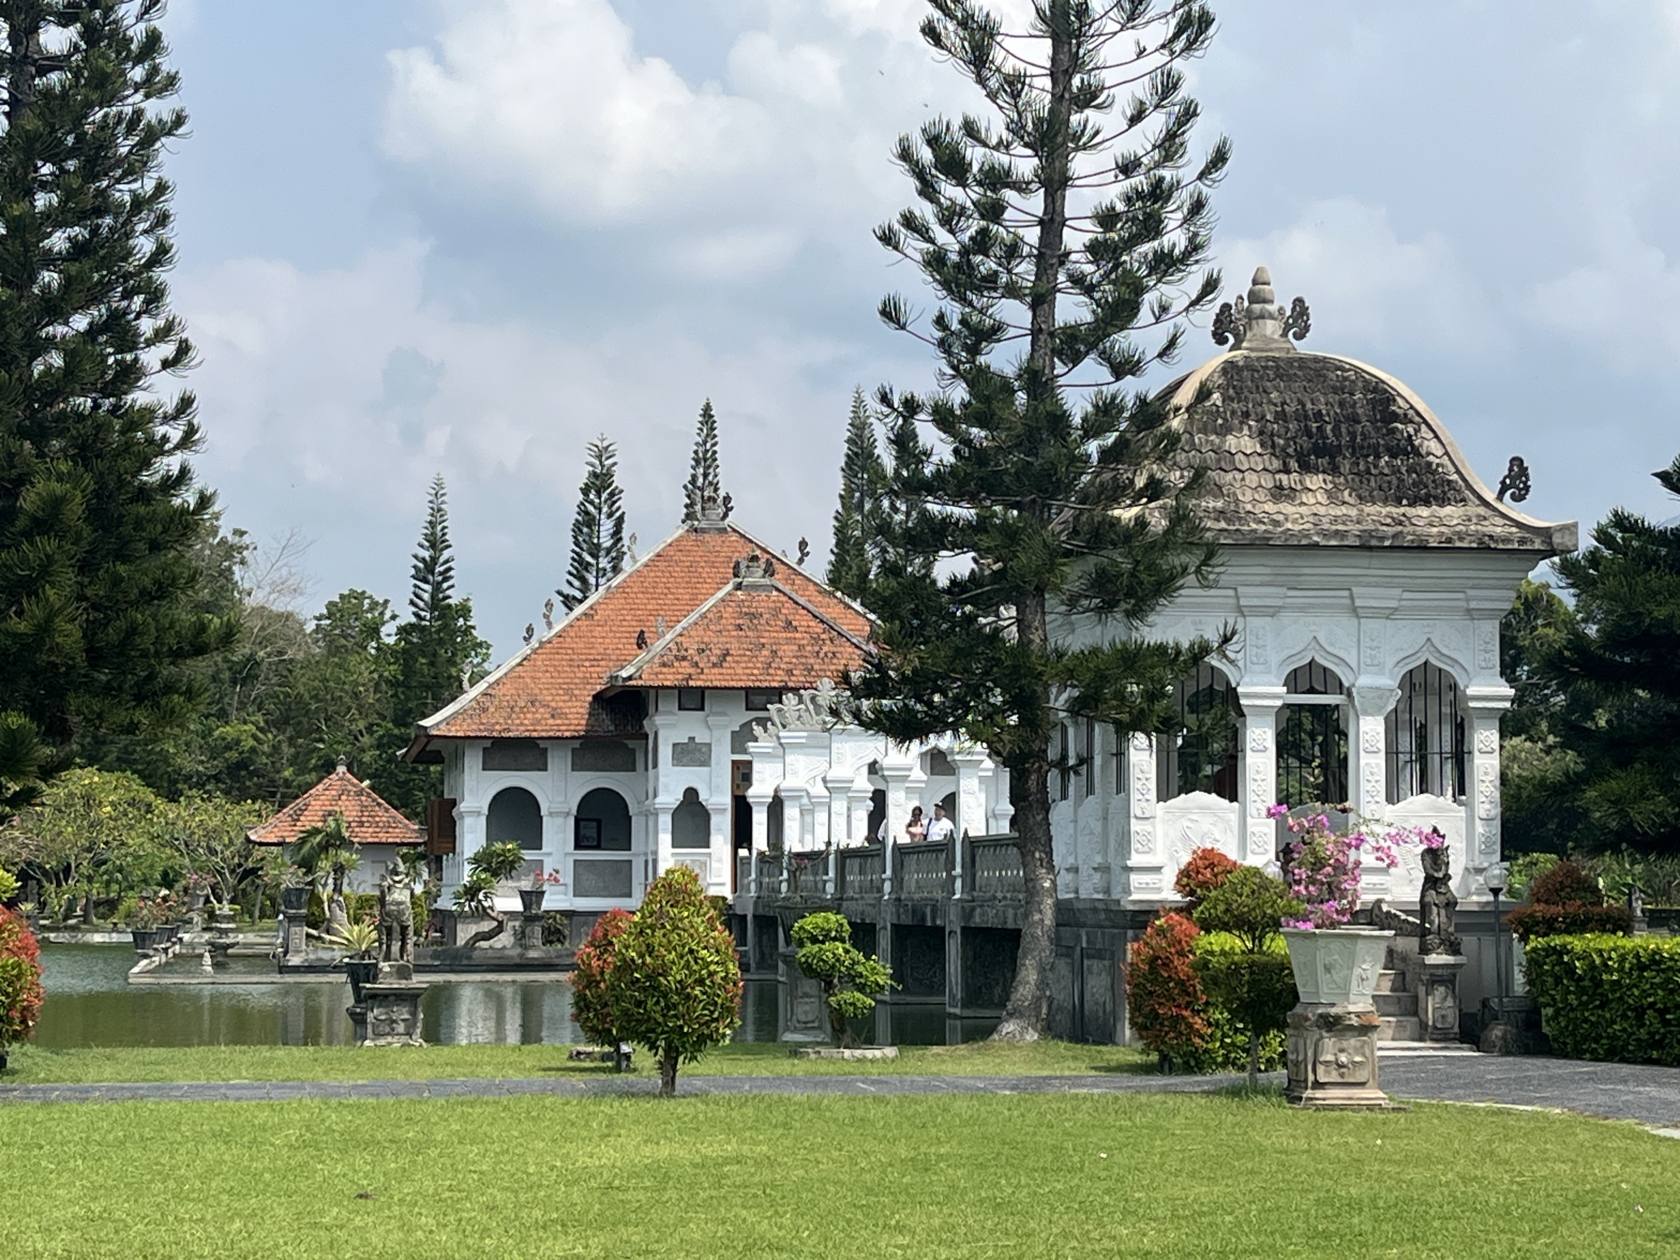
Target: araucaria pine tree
704, 487
433, 574
597, 528
858, 527
1064, 232
99, 508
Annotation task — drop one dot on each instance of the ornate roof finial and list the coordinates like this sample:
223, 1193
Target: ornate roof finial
1260, 323
343, 766
1516, 482
754, 570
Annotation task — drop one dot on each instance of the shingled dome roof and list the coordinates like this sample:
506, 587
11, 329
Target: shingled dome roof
1317, 449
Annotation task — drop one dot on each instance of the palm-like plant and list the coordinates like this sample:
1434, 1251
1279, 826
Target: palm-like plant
360, 938
492, 865
326, 851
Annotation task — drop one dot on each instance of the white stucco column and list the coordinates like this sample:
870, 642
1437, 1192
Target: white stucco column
838, 785
1003, 812
660, 817
896, 769
1482, 827
1144, 863
1257, 783
971, 801
857, 802
718, 803
1373, 700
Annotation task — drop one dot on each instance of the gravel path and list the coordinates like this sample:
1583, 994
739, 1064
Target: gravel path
1649, 1095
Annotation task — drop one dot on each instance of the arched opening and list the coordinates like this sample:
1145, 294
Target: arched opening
602, 821
691, 823
1198, 751
773, 823
514, 815
1312, 744
877, 814
1426, 736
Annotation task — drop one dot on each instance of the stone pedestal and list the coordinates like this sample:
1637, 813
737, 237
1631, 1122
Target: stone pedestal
1438, 996
531, 931
1333, 1057
392, 1006
297, 936
801, 1008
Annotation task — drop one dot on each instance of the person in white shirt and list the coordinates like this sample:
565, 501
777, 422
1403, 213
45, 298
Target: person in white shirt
941, 828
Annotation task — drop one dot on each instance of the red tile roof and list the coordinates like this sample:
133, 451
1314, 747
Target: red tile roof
367, 817
790, 633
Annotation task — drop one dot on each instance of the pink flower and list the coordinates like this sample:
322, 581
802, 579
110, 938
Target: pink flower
1277, 811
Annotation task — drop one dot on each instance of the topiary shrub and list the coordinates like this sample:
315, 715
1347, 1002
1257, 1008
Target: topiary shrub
21, 994
850, 979
1165, 1002
674, 985
590, 1006
1566, 901
1614, 998
1206, 870
1253, 983
1250, 996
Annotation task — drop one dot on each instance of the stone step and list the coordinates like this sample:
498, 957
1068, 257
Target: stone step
1391, 982
1399, 1028
1395, 1003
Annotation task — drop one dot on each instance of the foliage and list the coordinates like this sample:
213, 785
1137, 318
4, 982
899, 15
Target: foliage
8, 885
1565, 884
851, 980
1164, 997
1250, 906
1532, 922
1252, 993
1608, 997
1322, 867
675, 986
590, 1005
597, 528
209, 834
704, 488
92, 831
1206, 870
21, 995
99, 507
327, 851
858, 527
358, 937
1656, 875
1064, 236
23, 760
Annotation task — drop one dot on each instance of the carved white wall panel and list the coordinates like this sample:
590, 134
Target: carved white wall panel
1445, 816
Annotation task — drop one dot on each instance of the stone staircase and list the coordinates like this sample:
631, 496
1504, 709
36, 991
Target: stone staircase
1396, 1003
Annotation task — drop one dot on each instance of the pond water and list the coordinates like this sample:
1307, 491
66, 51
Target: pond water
91, 1003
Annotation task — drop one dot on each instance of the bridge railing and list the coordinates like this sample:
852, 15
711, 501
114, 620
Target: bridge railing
862, 871
992, 868
922, 870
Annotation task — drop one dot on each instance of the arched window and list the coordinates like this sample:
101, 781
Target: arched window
514, 815
1312, 746
602, 821
1426, 744
1198, 752
691, 823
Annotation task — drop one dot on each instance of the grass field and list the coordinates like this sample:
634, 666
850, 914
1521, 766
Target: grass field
1014, 1176
33, 1065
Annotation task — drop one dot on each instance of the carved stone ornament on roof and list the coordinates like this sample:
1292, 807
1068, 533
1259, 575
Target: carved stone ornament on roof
1260, 322
819, 708
755, 568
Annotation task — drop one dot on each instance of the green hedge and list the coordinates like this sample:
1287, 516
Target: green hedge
1615, 998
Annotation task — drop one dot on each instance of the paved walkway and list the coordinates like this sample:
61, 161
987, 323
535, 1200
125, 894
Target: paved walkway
1649, 1095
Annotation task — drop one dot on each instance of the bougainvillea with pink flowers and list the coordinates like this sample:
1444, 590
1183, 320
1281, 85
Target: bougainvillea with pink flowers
1322, 867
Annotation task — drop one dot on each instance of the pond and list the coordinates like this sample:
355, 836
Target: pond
91, 1003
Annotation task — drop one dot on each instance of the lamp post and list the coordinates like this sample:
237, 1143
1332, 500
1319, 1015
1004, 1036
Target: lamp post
1497, 879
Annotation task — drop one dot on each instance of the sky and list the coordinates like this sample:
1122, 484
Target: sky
466, 237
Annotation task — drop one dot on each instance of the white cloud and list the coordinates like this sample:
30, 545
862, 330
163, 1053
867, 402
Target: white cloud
1366, 286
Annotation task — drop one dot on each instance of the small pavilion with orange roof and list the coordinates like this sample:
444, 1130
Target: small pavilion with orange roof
378, 829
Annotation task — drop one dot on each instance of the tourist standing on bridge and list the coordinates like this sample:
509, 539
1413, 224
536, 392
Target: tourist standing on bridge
941, 828
915, 829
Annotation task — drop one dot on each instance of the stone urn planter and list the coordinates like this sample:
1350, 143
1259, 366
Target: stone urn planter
531, 901
1332, 1032
146, 939
294, 900
362, 971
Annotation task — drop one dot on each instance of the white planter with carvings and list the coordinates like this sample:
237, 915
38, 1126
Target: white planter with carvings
1336, 966
1332, 1032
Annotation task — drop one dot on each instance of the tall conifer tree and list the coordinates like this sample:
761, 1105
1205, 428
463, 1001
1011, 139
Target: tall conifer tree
99, 509
857, 521
1065, 235
433, 576
704, 486
597, 528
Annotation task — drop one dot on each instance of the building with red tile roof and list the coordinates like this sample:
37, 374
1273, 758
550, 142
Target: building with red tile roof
378, 829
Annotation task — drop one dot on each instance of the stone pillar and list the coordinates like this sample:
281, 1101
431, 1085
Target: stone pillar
1257, 787
971, 799
1144, 861
469, 840
718, 802
1438, 1006
662, 853
857, 805
1482, 830
1373, 700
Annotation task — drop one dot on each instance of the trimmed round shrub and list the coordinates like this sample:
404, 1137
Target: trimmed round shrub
1566, 901
1565, 884
1164, 998
850, 978
590, 1006
1614, 998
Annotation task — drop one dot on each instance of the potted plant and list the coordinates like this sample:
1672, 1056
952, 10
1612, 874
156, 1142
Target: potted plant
144, 925
487, 870
361, 940
531, 899
1334, 963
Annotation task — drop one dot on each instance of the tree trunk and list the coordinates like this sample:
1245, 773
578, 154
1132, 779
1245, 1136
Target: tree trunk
486, 934
838, 1025
668, 1074
1253, 1059
1028, 1010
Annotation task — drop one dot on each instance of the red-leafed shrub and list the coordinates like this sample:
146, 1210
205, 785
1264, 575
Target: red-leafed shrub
21, 994
1164, 997
590, 1007
1566, 901
1206, 870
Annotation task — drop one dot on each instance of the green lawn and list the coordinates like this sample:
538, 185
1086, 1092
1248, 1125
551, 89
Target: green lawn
33, 1065
976, 1176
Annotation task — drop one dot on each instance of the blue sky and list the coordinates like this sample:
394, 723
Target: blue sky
465, 238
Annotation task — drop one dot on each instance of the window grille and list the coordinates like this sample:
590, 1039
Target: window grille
1312, 744
1426, 736
1198, 751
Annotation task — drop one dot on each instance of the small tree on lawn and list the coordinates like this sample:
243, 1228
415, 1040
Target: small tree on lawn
675, 986
20, 981
850, 978
1254, 983
591, 1006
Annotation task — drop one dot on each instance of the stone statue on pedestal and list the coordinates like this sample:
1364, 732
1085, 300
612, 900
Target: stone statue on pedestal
1438, 905
396, 916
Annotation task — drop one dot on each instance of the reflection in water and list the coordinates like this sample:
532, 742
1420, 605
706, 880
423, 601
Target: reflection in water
91, 1003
